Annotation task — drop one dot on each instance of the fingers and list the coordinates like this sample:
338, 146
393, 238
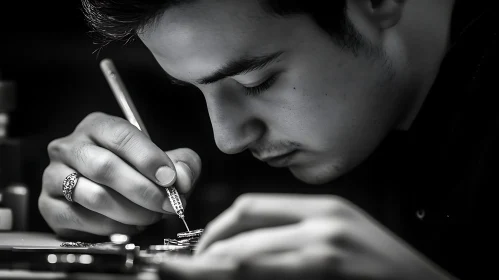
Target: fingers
98, 198
287, 265
259, 242
311, 262
184, 267
109, 203
267, 210
188, 167
315, 262
129, 143
103, 167
62, 215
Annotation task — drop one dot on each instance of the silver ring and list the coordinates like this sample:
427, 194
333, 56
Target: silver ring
68, 185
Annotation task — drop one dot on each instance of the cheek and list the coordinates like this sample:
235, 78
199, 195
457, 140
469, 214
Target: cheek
311, 110
336, 106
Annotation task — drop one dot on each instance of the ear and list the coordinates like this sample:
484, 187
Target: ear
383, 13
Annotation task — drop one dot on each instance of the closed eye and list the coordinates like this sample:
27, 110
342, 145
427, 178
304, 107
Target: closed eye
259, 89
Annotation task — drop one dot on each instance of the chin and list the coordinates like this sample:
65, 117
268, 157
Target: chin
316, 175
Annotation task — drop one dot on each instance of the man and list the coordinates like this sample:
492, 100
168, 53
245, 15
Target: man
386, 95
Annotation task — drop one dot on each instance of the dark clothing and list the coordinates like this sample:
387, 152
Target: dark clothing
459, 128
434, 183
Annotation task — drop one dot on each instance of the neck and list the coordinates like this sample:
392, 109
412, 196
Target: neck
428, 45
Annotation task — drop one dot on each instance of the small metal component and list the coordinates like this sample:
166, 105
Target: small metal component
77, 244
191, 233
185, 241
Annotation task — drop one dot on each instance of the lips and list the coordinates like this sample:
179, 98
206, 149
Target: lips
281, 160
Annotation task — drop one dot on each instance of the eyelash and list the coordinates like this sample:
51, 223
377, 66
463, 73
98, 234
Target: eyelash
259, 89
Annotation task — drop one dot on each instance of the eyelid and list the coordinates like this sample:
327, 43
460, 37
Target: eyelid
262, 87
263, 78
259, 82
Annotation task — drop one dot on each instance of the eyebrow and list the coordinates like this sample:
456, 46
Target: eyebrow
240, 66
233, 68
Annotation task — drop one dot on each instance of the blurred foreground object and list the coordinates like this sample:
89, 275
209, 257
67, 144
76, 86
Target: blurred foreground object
14, 193
5, 217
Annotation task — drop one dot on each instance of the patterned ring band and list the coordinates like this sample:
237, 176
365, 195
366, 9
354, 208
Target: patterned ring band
68, 185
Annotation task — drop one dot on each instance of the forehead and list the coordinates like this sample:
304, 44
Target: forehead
190, 41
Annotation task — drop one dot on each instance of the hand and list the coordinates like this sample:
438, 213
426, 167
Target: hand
122, 171
300, 237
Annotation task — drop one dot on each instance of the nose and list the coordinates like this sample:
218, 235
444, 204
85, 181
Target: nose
234, 126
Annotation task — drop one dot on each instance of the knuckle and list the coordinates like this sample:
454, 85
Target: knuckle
241, 208
244, 201
336, 206
102, 167
215, 223
99, 123
210, 225
54, 148
243, 205
90, 120
92, 117
123, 136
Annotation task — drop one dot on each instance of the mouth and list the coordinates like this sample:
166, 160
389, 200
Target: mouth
281, 160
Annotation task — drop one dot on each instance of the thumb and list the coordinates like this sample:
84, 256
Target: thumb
188, 166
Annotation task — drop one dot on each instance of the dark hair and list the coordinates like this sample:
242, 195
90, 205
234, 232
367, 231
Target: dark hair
120, 20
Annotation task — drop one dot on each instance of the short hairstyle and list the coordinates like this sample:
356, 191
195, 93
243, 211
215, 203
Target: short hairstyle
120, 20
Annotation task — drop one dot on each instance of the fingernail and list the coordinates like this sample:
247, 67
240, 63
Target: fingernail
165, 175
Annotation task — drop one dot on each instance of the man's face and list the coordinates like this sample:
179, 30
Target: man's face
308, 105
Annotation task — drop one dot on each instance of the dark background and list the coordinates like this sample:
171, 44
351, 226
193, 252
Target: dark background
46, 49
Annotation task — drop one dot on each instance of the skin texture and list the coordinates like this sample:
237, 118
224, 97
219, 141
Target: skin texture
316, 104
118, 191
330, 105
327, 105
